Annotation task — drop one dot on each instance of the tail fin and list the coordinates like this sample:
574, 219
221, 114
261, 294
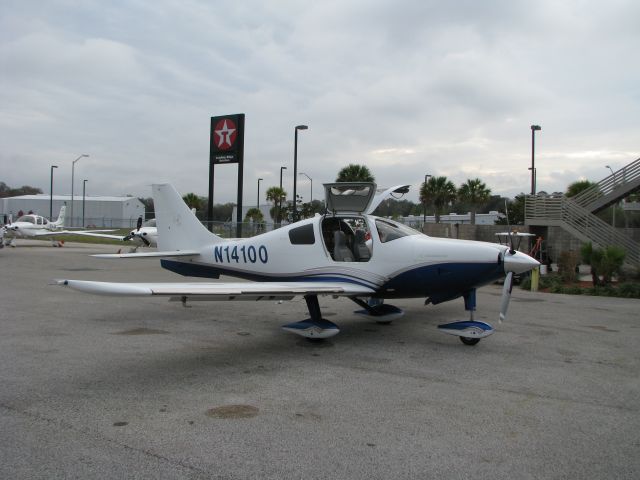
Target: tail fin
178, 227
60, 221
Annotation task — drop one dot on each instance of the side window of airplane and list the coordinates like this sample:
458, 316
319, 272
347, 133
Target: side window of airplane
302, 235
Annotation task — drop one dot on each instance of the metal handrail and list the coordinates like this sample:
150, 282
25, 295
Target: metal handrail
608, 184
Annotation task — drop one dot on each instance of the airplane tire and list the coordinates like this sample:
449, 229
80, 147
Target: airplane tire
469, 341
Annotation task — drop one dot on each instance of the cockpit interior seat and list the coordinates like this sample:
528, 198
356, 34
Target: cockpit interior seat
341, 252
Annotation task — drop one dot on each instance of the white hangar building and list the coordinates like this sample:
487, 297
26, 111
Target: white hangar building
109, 212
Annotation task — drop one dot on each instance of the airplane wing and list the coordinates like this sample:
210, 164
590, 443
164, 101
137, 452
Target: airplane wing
169, 253
89, 233
53, 233
220, 291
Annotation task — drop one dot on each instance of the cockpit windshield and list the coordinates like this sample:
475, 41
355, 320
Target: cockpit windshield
27, 219
388, 230
150, 223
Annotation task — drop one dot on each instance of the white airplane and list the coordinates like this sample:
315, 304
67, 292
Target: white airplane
346, 252
144, 236
36, 227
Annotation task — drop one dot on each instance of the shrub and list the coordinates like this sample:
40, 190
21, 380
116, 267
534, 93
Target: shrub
606, 262
629, 290
567, 263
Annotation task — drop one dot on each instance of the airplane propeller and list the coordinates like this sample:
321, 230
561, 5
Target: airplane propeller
506, 296
137, 235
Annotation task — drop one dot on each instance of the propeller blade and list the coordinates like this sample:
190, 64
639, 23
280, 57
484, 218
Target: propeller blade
506, 296
144, 240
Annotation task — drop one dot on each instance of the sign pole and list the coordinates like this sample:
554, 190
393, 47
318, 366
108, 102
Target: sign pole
226, 146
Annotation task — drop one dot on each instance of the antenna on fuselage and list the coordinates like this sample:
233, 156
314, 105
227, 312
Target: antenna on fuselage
506, 212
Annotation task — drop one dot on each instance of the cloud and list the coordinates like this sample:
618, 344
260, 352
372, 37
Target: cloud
408, 88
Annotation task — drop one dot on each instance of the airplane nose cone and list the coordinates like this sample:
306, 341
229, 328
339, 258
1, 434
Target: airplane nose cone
519, 262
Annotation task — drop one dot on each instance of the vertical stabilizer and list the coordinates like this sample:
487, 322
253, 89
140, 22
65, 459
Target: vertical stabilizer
178, 227
60, 221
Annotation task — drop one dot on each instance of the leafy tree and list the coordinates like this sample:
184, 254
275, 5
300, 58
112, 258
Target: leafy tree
6, 191
578, 187
276, 195
515, 211
309, 209
438, 192
222, 212
476, 193
355, 173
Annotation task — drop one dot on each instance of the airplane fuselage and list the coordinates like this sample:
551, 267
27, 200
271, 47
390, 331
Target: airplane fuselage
409, 265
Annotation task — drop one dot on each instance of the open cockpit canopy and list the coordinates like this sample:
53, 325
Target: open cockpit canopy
357, 197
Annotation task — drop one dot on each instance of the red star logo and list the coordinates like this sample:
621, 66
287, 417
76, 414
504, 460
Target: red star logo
225, 131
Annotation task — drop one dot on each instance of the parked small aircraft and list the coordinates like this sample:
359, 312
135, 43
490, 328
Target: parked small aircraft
37, 227
144, 236
345, 252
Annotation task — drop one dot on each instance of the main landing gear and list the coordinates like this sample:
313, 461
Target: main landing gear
315, 327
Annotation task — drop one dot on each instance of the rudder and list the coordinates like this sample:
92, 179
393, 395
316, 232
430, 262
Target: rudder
178, 227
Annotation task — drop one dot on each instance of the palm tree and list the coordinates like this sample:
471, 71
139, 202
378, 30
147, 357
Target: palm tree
355, 173
438, 191
193, 201
474, 192
254, 215
276, 195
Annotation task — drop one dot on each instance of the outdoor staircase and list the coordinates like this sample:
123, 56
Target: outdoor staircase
576, 215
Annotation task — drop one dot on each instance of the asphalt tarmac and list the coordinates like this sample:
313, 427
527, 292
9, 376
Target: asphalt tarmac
106, 387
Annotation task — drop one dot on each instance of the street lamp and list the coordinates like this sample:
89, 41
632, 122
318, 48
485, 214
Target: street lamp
311, 180
51, 194
295, 170
258, 199
84, 187
424, 202
533, 149
73, 165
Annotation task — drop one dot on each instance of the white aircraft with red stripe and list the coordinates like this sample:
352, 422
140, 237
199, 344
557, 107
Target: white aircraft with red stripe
346, 252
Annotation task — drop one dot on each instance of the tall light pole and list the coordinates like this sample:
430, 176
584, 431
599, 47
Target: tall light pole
84, 189
424, 202
295, 171
73, 166
279, 219
311, 180
533, 150
613, 208
51, 194
258, 199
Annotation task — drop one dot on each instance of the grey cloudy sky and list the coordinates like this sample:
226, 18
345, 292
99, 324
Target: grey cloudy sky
406, 87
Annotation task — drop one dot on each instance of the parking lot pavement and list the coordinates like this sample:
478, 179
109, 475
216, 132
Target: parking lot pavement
101, 387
